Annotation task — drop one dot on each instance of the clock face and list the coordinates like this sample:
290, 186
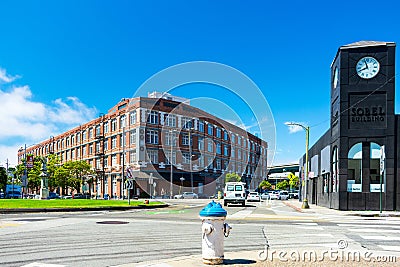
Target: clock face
335, 77
367, 67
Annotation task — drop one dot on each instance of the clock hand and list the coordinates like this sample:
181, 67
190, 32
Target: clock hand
366, 65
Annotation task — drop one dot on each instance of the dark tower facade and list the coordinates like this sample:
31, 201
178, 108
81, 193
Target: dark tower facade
363, 132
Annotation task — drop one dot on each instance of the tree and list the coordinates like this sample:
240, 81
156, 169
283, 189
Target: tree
233, 177
3, 179
283, 185
293, 181
265, 185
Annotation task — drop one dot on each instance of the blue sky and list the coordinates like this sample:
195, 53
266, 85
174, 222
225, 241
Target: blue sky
64, 62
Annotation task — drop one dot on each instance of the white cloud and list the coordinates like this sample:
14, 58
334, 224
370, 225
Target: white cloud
24, 121
4, 77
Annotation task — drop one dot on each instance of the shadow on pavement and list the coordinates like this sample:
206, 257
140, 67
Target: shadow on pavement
238, 261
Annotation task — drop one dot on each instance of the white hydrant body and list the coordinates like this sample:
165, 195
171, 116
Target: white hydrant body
213, 231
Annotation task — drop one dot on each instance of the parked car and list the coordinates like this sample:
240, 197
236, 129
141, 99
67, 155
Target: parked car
274, 195
294, 194
265, 196
234, 193
283, 195
186, 195
81, 196
53, 195
253, 196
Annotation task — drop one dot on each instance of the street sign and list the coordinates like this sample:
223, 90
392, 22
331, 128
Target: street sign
129, 173
129, 184
29, 161
382, 160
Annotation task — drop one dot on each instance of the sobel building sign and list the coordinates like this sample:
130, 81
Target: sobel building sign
367, 111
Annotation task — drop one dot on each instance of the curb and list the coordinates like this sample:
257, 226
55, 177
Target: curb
293, 207
140, 206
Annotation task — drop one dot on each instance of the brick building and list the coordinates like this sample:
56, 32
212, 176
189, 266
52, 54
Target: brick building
151, 132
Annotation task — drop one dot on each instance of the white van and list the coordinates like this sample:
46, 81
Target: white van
234, 193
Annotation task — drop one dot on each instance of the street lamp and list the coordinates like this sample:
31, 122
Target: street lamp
182, 179
172, 141
307, 129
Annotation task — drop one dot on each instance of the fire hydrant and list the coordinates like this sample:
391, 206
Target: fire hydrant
213, 230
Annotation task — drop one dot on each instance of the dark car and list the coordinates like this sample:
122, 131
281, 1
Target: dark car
81, 196
53, 195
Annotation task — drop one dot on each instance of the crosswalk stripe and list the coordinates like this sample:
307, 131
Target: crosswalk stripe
380, 237
40, 264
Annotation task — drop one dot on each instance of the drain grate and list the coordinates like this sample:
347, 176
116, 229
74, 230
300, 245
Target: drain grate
112, 222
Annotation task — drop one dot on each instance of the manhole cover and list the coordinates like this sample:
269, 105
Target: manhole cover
112, 222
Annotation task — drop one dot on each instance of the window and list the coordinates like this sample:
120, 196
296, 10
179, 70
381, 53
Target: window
83, 136
90, 149
210, 145
232, 152
218, 163
152, 136
170, 120
185, 139
170, 139
335, 170
226, 149
132, 117
168, 157
106, 130
90, 133
239, 141
114, 160
113, 142
98, 131
122, 140
98, 164
200, 143
73, 154
106, 144
218, 132
218, 148
225, 135
354, 175
152, 155
84, 151
239, 154
186, 123
201, 126
186, 157
152, 117
78, 152
78, 138
73, 140
132, 156
210, 162
122, 121
201, 161
113, 125
132, 137
233, 138
210, 129
98, 147
375, 168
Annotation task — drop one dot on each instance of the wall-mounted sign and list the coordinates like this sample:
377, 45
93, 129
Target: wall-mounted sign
367, 111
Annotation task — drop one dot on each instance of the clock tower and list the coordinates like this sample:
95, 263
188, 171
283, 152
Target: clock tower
363, 126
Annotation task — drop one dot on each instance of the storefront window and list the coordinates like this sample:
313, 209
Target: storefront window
354, 172
335, 171
375, 169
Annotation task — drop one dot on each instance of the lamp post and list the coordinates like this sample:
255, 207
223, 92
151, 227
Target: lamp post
180, 189
307, 130
190, 157
171, 175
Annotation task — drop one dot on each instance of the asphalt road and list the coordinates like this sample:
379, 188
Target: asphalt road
112, 238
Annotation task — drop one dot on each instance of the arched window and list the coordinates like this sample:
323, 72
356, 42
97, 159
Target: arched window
375, 170
335, 170
354, 172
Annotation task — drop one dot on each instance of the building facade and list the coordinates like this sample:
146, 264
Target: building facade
355, 165
140, 137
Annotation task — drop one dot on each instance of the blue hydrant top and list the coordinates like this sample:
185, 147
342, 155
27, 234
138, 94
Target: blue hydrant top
213, 210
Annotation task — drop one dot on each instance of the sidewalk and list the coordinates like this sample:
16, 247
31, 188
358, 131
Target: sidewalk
296, 204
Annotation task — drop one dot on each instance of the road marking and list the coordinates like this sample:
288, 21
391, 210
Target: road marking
392, 248
39, 264
380, 237
241, 214
373, 230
